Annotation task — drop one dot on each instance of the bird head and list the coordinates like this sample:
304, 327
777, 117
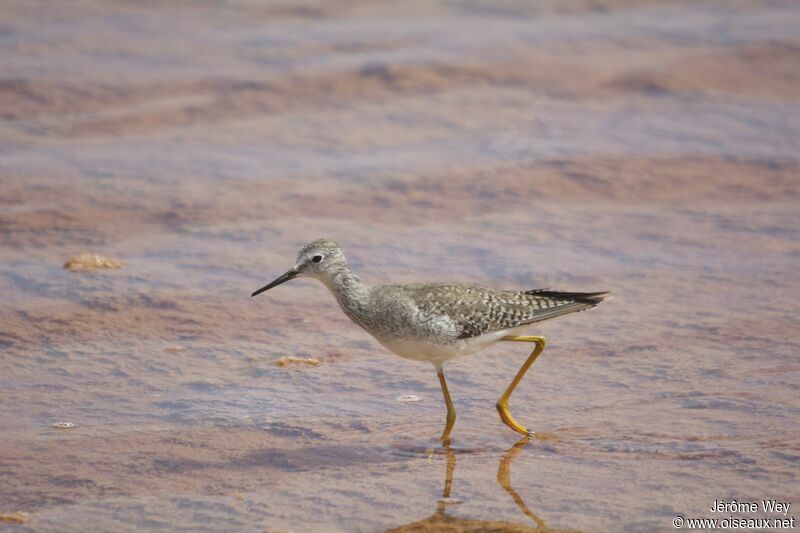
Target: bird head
319, 259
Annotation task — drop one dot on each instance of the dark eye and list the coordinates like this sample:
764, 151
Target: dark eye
317, 259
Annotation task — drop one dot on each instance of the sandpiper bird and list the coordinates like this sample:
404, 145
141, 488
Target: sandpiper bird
438, 321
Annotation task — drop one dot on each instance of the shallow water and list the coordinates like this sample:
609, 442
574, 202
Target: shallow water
648, 148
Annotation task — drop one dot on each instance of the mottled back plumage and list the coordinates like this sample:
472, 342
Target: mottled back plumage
478, 310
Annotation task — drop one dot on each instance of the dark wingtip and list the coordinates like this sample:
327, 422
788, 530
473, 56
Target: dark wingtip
598, 297
593, 298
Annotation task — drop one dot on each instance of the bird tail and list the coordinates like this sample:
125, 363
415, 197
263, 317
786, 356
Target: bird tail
562, 303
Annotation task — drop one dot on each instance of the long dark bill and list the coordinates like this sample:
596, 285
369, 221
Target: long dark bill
283, 279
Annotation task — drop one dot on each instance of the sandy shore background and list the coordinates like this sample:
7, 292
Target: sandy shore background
651, 148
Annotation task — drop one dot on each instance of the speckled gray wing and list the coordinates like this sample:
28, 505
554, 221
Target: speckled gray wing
476, 310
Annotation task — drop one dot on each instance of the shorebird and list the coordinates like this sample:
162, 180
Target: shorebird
436, 322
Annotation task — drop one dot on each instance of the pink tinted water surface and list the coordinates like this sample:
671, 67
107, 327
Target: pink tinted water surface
650, 148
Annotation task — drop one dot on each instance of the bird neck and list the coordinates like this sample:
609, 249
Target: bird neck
348, 289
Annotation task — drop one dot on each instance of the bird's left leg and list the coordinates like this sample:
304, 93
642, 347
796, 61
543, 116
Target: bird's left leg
502, 403
451, 411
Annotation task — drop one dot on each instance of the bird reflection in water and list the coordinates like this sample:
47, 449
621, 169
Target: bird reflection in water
441, 521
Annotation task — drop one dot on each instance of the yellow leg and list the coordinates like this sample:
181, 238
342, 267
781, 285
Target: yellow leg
502, 403
451, 411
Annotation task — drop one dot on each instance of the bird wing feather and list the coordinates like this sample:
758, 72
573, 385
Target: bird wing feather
477, 310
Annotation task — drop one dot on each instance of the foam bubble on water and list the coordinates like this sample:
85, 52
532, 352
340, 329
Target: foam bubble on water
408, 398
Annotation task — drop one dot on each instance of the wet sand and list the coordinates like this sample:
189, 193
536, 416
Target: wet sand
650, 148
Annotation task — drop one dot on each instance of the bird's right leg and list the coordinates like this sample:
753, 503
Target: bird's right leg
502, 403
451, 411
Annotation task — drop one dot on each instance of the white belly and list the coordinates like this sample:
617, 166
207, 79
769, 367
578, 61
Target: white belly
437, 353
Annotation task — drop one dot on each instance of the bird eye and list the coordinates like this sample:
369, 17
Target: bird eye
317, 259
